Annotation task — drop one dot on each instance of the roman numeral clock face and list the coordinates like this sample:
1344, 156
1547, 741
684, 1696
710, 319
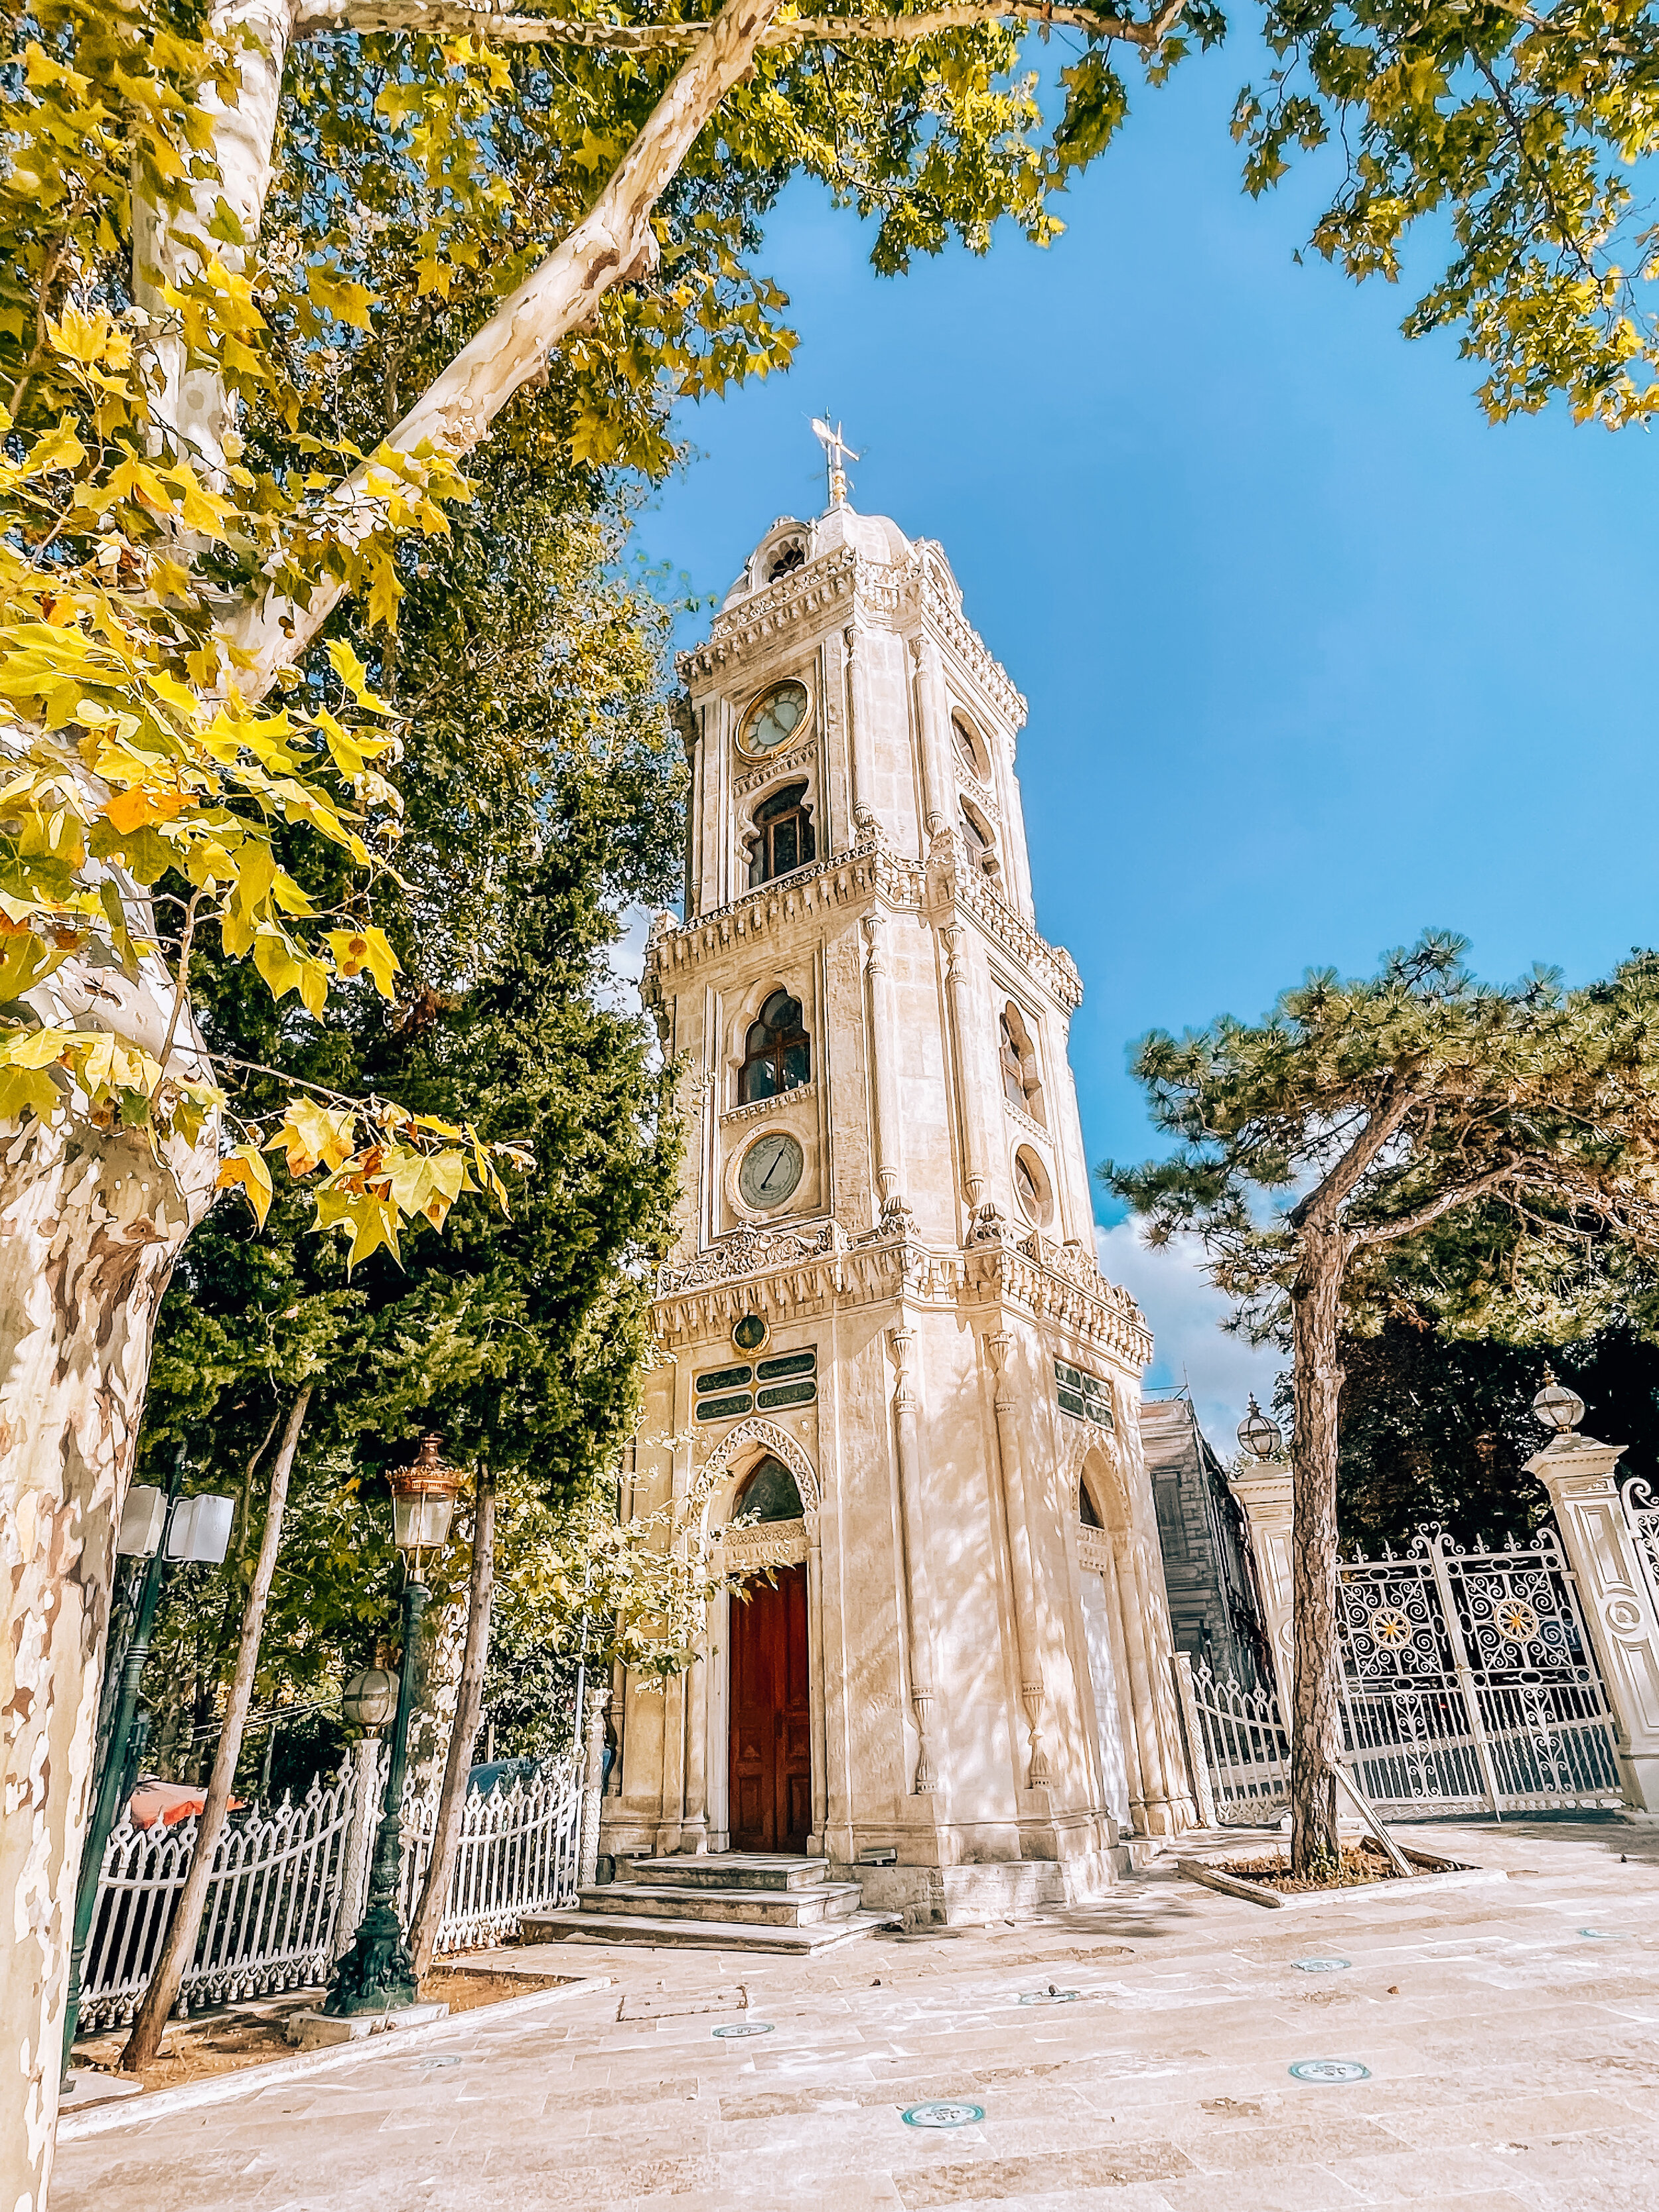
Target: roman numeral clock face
771, 1170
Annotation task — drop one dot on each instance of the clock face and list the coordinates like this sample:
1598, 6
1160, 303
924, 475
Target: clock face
779, 715
771, 1170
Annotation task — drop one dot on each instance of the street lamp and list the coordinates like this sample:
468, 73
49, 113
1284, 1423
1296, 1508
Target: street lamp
1558, 1407
163, 1526
377, 1973
1258, 1434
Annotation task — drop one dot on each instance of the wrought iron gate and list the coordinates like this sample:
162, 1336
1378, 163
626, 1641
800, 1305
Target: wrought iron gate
1469, 1686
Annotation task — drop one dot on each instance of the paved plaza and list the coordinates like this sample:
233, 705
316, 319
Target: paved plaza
1510, 2032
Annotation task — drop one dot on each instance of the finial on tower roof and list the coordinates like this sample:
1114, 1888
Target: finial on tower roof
837, 453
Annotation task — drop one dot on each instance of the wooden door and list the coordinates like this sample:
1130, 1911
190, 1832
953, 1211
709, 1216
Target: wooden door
771, 1725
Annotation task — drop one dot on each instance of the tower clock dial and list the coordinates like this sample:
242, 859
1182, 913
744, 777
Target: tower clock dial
776, 717
771, 1170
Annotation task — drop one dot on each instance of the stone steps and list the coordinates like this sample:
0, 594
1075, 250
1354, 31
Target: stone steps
730, 1901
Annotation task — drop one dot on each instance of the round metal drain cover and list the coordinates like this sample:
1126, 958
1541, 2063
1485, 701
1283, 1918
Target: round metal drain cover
428, 2063
1330, 2069
1051, 1996
943, 2114
1323, 1965
1600, 1934
746, 2028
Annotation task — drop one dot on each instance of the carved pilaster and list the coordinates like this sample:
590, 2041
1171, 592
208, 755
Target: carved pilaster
920, 1608
936, 777
1031, 1687
962, 1054
882, 1044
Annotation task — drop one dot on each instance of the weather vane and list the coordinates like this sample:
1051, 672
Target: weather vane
837, 454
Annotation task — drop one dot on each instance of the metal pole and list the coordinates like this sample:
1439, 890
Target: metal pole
377, 1973
113, 1775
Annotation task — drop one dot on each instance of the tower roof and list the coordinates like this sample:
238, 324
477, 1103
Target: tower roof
790, 544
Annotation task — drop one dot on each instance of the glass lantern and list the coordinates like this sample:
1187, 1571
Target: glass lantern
369, 1699
423, 1499
1558, 1407
1259, 1436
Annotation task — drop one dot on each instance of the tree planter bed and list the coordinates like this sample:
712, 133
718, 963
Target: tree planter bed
1216, 1873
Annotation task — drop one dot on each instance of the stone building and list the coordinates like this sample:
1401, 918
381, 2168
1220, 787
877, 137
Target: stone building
892, 1372
1213, 1611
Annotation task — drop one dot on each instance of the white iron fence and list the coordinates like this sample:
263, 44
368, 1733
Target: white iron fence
277, 1914
1642, 1515
1468, 1684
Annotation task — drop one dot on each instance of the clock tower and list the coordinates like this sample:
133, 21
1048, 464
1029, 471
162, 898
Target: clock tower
893, 1383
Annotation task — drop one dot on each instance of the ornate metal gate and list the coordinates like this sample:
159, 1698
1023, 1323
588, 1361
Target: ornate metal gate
1469, 1686
1641, 1517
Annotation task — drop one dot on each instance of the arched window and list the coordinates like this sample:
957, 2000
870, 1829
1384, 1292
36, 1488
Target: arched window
1086, 1511
981, 845
783, 834
776, 1054
964, 740
769, 1494
786, 558
1021, 1083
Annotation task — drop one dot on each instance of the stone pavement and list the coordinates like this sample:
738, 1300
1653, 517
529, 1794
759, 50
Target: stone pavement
1513, 2066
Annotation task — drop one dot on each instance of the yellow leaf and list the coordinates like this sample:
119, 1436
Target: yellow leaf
357, 949
26, 1090
243, 1169
315, 1135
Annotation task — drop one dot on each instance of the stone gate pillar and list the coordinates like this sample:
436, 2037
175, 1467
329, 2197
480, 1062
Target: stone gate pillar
1578, 1473
1264, 1490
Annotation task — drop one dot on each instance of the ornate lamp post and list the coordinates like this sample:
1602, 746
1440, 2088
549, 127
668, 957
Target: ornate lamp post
376, 1974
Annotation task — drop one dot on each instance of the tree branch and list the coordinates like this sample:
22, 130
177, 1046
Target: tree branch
612, 244
1339, 1184
1391, 1233
452, 19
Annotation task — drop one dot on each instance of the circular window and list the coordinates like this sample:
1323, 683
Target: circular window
776, 717
771, 1170
750, 1334
1032, 1189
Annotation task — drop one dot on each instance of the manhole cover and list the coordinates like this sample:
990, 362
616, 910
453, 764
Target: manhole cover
428, 2063
943, 2114
1323, 1965
746, 2028
1600, 1934
1330, 2069
1051, 1995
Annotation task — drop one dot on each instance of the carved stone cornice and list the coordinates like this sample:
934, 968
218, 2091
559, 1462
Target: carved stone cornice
785, 1274
843, 582
796, 762
844, 884
758, 1108
956, 879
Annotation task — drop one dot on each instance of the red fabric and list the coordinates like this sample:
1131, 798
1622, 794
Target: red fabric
169, 1803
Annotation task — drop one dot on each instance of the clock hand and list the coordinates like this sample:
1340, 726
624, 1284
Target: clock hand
772, 1170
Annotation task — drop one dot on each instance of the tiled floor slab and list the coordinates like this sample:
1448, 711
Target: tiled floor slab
1511, 2069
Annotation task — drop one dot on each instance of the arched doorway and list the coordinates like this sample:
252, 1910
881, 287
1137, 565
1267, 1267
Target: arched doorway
770, 1750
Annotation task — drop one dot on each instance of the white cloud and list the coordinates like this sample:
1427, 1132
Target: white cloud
1188, 1343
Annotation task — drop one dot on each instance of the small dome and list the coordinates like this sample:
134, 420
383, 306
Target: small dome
790, 544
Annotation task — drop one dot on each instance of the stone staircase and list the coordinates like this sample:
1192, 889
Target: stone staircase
726, 1900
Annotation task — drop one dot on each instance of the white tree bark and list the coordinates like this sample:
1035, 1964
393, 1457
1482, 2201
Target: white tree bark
612, 244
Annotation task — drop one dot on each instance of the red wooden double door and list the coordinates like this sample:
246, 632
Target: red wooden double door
771, 1778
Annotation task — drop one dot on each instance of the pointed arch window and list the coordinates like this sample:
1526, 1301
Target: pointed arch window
1087, 1512
777, 1055
783, 834
1022, 1084
964, 740
771, 1494
981, 845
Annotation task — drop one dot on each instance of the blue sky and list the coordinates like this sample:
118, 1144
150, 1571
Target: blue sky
1316, 657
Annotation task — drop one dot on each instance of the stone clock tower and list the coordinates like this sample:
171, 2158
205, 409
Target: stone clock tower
891, 1375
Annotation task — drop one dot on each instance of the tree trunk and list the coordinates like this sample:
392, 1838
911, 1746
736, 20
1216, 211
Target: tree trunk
1315, 1711
179, 1948
452, 1799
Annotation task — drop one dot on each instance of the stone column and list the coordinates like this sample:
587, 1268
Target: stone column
858, 715
1264, 1490
1601, 1550
816, 1718
919, 1609
694, 1832
1133, 1768
958, 998
592, 1785
1032, 1688
367, 1783
937, 780
884, 1096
